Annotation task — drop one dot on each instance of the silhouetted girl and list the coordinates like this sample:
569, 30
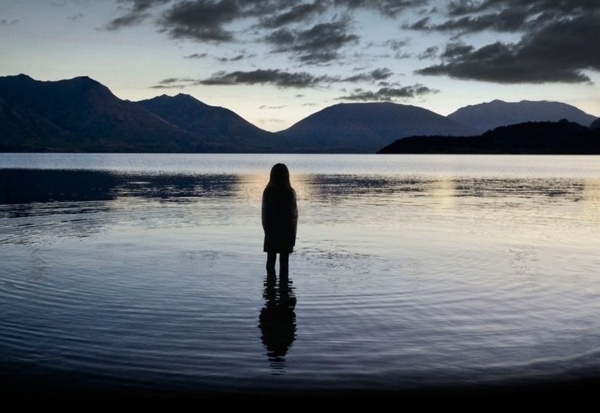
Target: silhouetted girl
279, 219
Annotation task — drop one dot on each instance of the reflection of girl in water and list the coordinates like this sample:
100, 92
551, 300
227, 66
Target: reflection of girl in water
277, 321
279, 219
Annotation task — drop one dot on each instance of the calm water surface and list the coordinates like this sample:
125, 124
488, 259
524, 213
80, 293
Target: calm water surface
410, 272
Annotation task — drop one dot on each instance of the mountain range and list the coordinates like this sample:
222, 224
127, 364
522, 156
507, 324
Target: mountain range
82, 115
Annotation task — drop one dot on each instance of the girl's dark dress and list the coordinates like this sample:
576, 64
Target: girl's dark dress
279, 219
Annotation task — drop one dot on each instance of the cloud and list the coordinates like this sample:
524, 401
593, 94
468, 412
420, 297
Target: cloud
319, 44
137, 12
511, 15
558, 52
510, 20
298, 13
387, 94
429, 53
5, 22
375, 75
396, 44
272, 107
197, 56
171, 80
231, 59
291, 80
130, 19
175, 83
553, 45
201, 20
141, 5
235, 58
275, 77
389, 8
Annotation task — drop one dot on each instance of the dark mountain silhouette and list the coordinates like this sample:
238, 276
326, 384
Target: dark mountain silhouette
80, 115
490, 115
366, 127
221, 128
595, 124
561, 137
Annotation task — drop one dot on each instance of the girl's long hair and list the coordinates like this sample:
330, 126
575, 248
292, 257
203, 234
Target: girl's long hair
280, 177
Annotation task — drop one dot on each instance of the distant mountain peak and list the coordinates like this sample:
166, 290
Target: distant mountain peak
366, 127
181, 98
490, 115
84, 79
20, 76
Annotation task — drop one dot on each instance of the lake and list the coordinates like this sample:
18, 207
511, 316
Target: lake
145, 273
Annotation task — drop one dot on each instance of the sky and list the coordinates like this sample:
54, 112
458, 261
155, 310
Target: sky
275, 62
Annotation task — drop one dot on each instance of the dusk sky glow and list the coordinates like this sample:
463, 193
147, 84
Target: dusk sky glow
274, 62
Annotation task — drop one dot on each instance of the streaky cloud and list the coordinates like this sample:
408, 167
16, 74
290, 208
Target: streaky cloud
290, 80
197, 56
140, 5
174, 83
297, 14
388, 94
275, 77
130, 19
138, 12
389, 8
375, 75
